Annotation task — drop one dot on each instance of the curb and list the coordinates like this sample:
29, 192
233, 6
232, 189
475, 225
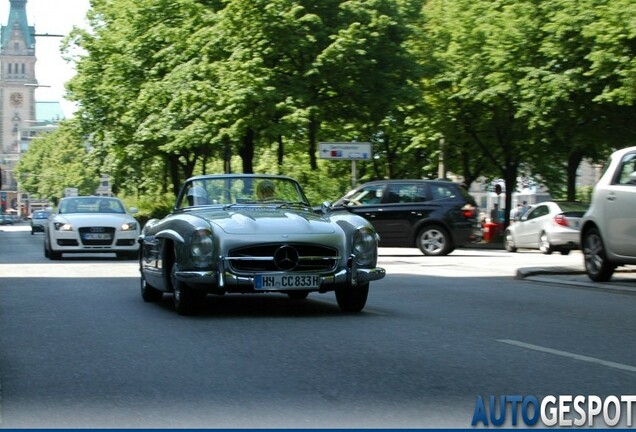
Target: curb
564, 276
493, 246
524, 272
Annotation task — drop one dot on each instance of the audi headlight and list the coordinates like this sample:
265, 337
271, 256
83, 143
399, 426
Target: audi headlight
202, 248
365, 246
129, 226
60, 226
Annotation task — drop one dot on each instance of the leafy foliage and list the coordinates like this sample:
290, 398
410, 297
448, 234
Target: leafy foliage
497, 88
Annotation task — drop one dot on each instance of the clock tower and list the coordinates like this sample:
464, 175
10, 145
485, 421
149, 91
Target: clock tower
17, 90
17, 76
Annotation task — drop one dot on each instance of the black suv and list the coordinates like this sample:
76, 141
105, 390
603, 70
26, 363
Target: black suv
435, 215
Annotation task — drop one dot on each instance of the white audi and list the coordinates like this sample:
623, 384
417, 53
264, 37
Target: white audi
91, 224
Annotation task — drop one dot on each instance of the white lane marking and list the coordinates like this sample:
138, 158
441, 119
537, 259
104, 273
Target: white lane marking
580, 357
70, 270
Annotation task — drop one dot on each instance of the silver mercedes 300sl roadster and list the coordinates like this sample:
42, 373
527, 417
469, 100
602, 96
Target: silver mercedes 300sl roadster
255, 234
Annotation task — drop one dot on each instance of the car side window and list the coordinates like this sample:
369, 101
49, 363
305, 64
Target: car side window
405, 193
626, 170
538, 212
368, 195
443, 192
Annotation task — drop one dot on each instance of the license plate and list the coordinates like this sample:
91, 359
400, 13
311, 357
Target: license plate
286, 282
96, 236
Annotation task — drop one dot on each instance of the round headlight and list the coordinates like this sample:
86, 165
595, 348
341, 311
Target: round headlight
365, 246
202, 248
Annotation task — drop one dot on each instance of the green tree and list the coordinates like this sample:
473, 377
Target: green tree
58, 160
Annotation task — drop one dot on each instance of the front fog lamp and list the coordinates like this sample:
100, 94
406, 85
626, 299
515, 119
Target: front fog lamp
202, 248
365, 246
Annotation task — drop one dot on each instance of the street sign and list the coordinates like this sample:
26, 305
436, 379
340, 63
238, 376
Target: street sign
345, 150
71, 192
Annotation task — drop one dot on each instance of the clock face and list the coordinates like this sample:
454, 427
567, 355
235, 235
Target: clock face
16, 99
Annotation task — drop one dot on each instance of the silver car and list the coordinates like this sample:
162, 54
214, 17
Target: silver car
608, 232
548, 226
255, 234
38, 221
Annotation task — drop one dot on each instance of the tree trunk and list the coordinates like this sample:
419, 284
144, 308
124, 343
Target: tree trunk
173, 168
227, 155
312, 134
247, 152
281, 153
574, 160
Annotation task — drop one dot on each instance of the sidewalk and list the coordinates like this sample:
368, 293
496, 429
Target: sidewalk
623, 279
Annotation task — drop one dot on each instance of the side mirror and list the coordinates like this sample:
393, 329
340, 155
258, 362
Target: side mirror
326, 207
133, 210
632, 178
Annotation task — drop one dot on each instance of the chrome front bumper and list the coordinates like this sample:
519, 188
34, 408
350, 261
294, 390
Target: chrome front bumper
223, 278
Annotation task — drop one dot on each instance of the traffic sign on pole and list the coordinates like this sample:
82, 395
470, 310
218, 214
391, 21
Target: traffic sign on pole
345, 150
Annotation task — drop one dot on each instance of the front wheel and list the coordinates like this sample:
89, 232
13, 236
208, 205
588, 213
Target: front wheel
50, 253
434, 241
597, 266
544, 244
352, 299
149, 293
185, 298
509, 242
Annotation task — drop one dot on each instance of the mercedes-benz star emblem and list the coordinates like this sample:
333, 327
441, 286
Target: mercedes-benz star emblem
286, 258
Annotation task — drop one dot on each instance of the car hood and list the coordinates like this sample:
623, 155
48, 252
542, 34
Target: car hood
100, 219
268, 221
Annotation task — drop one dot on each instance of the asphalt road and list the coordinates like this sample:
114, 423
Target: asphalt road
79, 348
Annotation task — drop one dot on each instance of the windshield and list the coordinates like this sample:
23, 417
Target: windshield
220, 190
91, 205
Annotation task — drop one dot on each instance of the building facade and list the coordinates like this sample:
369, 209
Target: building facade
17, 96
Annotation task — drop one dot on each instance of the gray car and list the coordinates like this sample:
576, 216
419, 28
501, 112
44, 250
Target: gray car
6, 219
255, 234
548, 226
38, 221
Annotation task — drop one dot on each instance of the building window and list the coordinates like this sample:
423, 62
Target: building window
10, 68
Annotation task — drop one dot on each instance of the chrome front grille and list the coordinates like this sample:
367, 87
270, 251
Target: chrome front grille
283, 257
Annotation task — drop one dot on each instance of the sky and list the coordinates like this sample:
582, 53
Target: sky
52, 17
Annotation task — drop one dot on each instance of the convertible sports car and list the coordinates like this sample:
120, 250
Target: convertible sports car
255, 234
91, 224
